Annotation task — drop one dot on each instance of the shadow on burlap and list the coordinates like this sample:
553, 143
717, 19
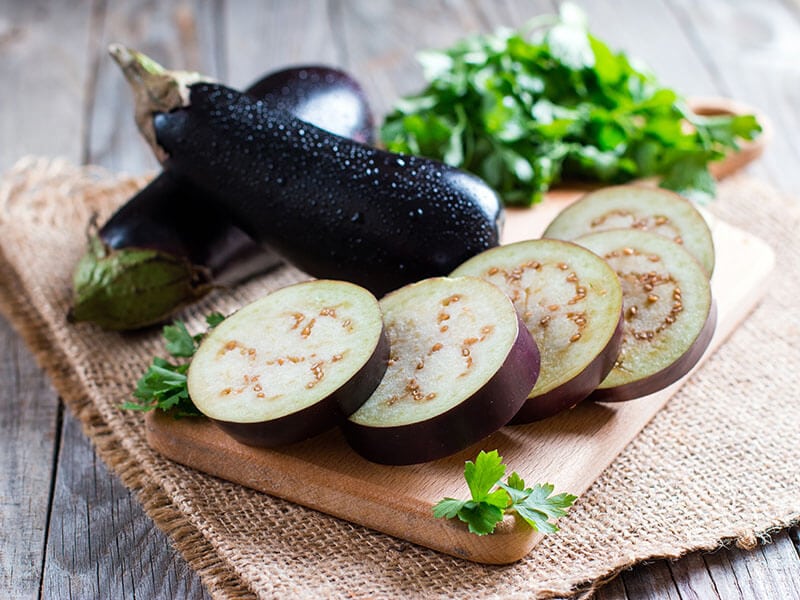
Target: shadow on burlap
718, 465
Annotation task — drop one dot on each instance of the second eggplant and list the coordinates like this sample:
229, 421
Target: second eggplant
170, 244
333, 207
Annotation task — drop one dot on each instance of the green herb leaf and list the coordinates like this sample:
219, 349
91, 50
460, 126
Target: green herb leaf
448, 508
482, 475
480, 517
492, 499
214, 319
163, 385
525, 109
179, 342
536, 506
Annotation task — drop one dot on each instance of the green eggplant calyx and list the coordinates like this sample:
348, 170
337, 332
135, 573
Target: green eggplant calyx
133, 287
155, 89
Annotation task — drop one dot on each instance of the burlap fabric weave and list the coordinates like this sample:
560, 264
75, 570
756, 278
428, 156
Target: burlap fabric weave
718, 465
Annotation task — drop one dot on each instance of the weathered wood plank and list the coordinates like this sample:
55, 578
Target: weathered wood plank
178, 35
101, 545
381, 38
751, 49
692, 578
42, 69
29, 420
650, 581
41, 96
613, 590
260, 38
770, 571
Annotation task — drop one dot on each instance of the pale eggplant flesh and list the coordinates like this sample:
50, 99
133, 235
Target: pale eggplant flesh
669, 311
571, 302
642, 208
461, 365
292, 364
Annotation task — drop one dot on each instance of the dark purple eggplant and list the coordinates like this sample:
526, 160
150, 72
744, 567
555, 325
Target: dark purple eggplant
327, 97
333, 207
170, 244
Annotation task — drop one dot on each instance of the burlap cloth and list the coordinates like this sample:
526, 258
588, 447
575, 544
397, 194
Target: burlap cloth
718, 465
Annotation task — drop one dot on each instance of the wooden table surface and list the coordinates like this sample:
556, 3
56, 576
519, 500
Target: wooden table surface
69, 528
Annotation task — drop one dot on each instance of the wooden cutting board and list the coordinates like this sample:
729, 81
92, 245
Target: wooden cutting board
569, 450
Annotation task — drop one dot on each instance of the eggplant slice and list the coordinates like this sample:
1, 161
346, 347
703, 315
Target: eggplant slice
292, 364
571, 301
668, 309
635, 207
461, 365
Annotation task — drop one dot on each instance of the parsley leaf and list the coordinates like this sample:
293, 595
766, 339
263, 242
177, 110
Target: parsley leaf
524, 109
214, 319
482, 475
179, 342
163, 385
481, 518
536, 505
487, 507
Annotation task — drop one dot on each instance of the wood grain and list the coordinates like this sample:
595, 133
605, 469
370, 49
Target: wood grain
569, 450
751, 50
96, 526
289, 33
43, 75
29, 422
172, 33
384, 59
758, 58
41, 96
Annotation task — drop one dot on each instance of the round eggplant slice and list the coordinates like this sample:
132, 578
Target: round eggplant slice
571, 302
634, 207
461, 365
669, 315
292, 364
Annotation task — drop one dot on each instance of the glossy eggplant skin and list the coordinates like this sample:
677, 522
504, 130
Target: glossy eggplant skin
666, 376
174, 216
169, 215
327, 97
331, 206
193, 241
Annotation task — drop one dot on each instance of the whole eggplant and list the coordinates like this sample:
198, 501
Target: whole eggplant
334, 207
170, 243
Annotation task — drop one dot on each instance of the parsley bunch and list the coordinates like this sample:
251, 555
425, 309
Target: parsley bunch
163, 385
492, 498
523, 111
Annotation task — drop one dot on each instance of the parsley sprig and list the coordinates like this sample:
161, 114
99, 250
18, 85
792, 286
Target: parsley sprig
163, 385
492, 498
524, 109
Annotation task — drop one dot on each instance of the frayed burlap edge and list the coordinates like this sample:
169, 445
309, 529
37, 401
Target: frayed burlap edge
216, 574
748, 540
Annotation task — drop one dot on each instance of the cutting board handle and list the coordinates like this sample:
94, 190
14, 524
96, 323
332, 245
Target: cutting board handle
749, 151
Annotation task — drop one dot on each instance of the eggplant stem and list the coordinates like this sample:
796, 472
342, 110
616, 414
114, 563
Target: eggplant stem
155, 89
